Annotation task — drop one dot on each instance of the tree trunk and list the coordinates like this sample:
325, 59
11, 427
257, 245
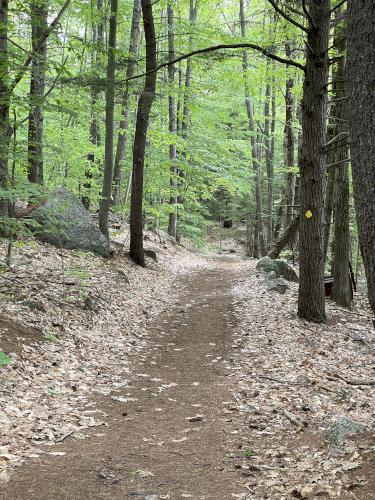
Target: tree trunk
287, 237
341, 292
269, 154
311, 298
361, 77
259, 233
39, 15
289, 143
185, 120
109, 122
172, 226
96, 65
143, 115
125, 112
329, 202
4, 103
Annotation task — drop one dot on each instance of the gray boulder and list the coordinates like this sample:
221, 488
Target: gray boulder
266, 264
341, 429
65, 223
277, 285
286, 271
278, 266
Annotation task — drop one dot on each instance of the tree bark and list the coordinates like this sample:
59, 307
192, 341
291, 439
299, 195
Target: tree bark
287, 237
311, 298
289, 142
329, 203
96, 65
39, 16
361, 77
341, 292
109, 121
143, 115
122, 137
268, 122
172, 225
4, 104
259, 232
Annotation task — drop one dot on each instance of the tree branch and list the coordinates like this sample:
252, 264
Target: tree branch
347, 160
287, 17
307, 13
214, 48
338, 6
41, 41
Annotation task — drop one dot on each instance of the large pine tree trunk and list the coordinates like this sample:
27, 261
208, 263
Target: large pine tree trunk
311, 299
172, 225
125, 112
361, 78
39, 15
143, 115
4, 103
109, 121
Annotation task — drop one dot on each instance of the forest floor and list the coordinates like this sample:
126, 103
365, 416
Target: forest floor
187, 379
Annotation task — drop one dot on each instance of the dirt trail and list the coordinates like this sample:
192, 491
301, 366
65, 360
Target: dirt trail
150, 449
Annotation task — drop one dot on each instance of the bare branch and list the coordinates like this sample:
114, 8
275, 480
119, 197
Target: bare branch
287, 17
341, 136
347, 160
338, 5
214, 48
41, 41
307, 13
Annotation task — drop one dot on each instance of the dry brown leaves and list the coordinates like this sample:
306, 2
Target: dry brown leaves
292, 387
92, 316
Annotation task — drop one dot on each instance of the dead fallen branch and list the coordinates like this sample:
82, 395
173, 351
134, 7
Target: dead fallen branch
294, 419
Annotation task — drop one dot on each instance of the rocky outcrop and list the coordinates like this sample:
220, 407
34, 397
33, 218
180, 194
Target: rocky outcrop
65, 223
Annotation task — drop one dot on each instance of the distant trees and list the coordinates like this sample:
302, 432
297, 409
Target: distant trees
123, 129
109, 121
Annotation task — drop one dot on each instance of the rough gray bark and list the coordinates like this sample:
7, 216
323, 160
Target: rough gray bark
4, 103
311, 297
329, 202
109, 121
341, 292
143, 115
259, 232
289, 142
122, 137
361, 78
39, 15
172, 225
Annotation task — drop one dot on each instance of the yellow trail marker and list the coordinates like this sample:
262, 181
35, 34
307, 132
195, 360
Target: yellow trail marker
308, 214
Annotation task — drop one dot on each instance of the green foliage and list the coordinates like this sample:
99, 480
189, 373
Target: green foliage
50, 337
4, 359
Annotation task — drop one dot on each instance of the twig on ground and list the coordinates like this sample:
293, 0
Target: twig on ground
62, 438
294, 419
